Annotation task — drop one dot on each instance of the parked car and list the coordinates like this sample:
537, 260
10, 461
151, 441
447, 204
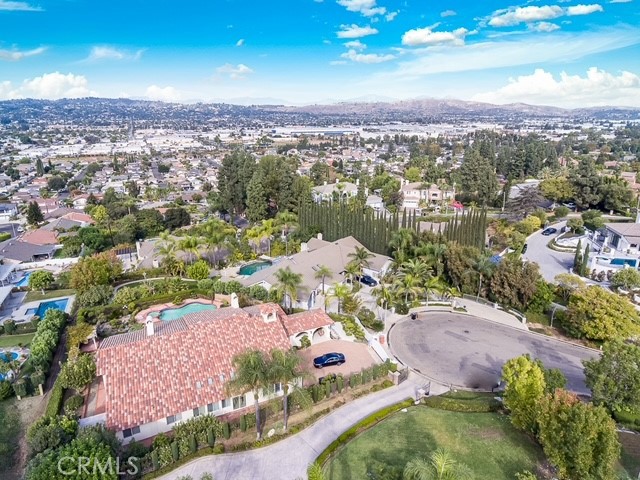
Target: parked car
328, 359
524, 248
368, 280
549, 231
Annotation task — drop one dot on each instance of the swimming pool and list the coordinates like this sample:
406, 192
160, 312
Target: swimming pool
254, 267
632, 262
169, 314
24, 281
12, 356
60, 304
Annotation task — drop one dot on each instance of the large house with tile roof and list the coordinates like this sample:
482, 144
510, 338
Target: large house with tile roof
313, 254
169, 372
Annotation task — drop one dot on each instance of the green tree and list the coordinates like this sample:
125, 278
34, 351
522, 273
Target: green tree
627, 278
34, 214
541, 300
593, 220
576, 225
514, 283
78, 374
599, 314
319, 173
56, 183
340, 292
568, 283
39, 167
322, 273
525, 388
561, 211
284, 368
478, 176
289, 284
526, 202
558, 189
256, 200
251, 374
176, 218
440, 466
585, 181
579, 439
483, 267
41, 280
413, 174
614, 378
99, 269
198, 270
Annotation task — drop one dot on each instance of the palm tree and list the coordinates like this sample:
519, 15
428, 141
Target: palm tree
323, 272
289, 283
440, 466
190, 245
433, 255
383, 297
401, 243
339, 292
251, 373
314, 472
284, 368
360, 256
483, 267
416, 267
351, 270
407, 284
286, 220
215, 233
433, 285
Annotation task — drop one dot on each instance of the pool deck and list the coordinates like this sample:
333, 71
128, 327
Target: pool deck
20, 315
142, 315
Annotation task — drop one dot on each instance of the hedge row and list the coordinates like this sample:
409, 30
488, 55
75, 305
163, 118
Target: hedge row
55, 400
359, 427
480, 404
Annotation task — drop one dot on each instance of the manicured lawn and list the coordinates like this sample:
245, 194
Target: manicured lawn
485, 442
14, 340
34, 296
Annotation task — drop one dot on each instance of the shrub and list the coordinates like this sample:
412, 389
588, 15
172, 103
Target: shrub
94, 296
349, 325
402, 308
258, 292
72, 404
226, 430
10, 327
243, 423
369, 320
5, 390
305, 342
55, 399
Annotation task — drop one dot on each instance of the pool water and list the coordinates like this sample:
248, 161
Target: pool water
12, 356
60, 304
24, 281
624, 261
169, 314
254, 267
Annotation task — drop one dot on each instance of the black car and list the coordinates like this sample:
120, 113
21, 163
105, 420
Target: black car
549, 231
368, 280
524, 248
328, 359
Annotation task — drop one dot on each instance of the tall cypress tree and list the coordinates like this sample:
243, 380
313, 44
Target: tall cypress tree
584, 268
577, 259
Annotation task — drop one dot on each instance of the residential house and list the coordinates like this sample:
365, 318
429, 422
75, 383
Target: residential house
316, 252
172, 371
335, 191
621, 237
7, 212
418, 194
17, 251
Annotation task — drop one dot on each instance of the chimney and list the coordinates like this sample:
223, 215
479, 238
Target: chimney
325, 182
319, 236
357, 182
304, 247
234, 300
149, 326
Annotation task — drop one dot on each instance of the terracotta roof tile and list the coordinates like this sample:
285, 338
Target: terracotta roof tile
149, 378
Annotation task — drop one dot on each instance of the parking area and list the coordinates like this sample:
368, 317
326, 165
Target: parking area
358, 356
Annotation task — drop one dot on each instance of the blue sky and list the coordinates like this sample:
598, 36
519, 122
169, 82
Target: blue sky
566, 53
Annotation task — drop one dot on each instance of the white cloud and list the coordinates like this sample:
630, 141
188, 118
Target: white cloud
544, 27
448, 13
508, 18
597, 87
390, 17
235, 72
163, 94
49, 86
426, 36
354, 56
15, 55
527, 49
584, 9
355, 31
105, 52
368, 8
620, 1
355, 44
18, 6
240, 42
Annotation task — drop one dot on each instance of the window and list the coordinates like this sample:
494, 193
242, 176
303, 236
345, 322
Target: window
277, 387
130, 432
239, 402
199, 411
225, 403
174, 418
212, 407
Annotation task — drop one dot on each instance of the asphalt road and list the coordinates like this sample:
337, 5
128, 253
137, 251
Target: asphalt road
551, 262
10, 228
469, 352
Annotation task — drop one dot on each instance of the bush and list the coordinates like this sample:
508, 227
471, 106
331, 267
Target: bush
6, 390
55, 400
10, 327
477, 404
402, 308
305, 342
561, 211
349, 325
94, 296
72, 404
369, 320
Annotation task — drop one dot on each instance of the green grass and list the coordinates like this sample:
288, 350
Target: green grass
485, 442
14, 340
630, 458
535, 317
35, 295
9, 431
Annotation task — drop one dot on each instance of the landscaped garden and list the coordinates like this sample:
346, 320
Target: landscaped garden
487, 443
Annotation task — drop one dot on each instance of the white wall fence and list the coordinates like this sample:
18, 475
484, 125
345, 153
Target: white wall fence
52, 262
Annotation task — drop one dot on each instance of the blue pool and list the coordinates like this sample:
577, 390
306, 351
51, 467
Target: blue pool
632, 262
12, 356
169, 314
60, 304
254, 267
24, 281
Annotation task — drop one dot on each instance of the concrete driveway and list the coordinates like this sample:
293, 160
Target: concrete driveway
551, 262
358, 356
469, 352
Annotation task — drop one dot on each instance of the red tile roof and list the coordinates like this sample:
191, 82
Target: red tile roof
40, 237
300, 322
149, 378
